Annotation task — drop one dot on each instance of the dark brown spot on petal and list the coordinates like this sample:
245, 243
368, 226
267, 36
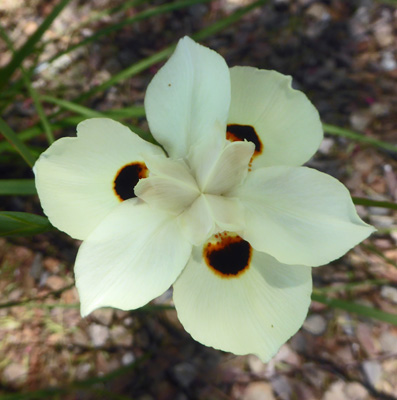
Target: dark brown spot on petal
126, 179
228, 255
237, 132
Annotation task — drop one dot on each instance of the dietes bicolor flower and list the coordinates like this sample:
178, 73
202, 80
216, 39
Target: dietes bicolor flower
223, 210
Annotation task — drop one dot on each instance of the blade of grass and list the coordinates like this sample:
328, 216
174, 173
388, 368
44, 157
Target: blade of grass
130, 112
17, 187
364, 311
95, 16
379, 253
128, 21
19, 146
360, 201
163, 54
151, 60
20, 55
336, 130
13, 223
32, 91
353, 285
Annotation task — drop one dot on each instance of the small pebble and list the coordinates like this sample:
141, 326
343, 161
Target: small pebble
315, 324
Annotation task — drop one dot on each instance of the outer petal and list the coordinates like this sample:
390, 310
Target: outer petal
286, 122
299, 215
75, 176
255, 312
133, 256
186, 98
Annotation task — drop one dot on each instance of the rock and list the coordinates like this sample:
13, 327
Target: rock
298, 342
360, 119
121, 336
287, 355
373, 371
103, 315
128, 358
326, 145
282, 387
15, 374
335, 391
184, 373
259, 391
389, 293
55, 282
388, 61
315, 324
355, 391
388, 342
256, 365
365, 337
99, 334
83, 370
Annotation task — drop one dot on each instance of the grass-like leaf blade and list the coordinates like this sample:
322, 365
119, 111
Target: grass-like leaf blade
20, 55
17, 187
364, 311
13, 223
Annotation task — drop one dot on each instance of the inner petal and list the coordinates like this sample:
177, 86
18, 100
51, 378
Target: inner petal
227, 255
126, 179
169, 187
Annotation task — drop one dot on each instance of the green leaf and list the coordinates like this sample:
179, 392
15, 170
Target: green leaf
336, 130
162, 9
19, 146
14, 223
163, 54
374, 203
32, 91
20, 55
17, 187
355, 308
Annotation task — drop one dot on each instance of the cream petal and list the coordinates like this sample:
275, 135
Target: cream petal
286, 122
187, 97
133, 256
170, 186
254, 312
75, 176
299, 215
197, 222
220, 165
210, 214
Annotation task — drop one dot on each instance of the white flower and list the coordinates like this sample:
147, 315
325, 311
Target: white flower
229, 219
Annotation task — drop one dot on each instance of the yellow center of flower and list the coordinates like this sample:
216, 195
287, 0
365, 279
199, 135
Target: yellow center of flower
126, 179
227, 254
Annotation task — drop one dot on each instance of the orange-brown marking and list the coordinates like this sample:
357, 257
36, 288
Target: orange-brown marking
228, 256
236, 133
126, 179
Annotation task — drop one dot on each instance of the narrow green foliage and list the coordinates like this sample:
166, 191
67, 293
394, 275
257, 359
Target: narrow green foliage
29, 46
357, 137
374, 203
363, 311
32, 91
19, 146
163, 54
14, 223
168, 7
17, 187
